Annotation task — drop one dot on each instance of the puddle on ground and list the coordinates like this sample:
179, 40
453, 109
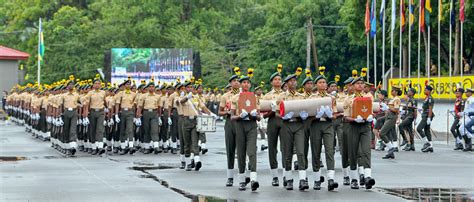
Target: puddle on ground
193, 197
431, 194
12, 158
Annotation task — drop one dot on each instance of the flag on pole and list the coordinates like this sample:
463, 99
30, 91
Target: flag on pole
40, 42
440, 12
411, 17
453, 13
373, 21
394, 15
461, 11
367, 18
422, 15
428, 11
382, 11
402, 15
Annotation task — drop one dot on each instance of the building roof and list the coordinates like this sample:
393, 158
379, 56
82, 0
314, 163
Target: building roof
12, 54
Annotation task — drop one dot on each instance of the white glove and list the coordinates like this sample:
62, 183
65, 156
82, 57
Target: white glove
402, 111
86, 121
274, 106
359, 119
190, 95
170, 122
79, 121
117, 119
48, 119
111, 122
320, 113
243, 114
134, 121
288, 116
60, 121
182, 94
428, 122
384, 107
370, 119
328, 112
304, 115
106, 110
253, 113
105, 123
212, 114
159, 122
54, 121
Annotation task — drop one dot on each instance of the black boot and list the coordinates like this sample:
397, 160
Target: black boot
173, 151
263, 147
468, 142
95, 152
354, 184
346, 181
133, 150
289, 184
370, 182
428, 149
189, 167
147, 151
242, 186
124, 151
390, 154
89, 150
158, 150
332, 185
317, 185
183, 165
109, 148
303, 185
254, 185
362, 180
116, 150
296, 165
204, 151
81, 148
275, 182
247, 180
458, 146
101, 151
407, 147
404, 142
198, 166
230, 182
425, 146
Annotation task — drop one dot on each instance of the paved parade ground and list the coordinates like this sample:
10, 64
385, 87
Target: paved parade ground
30, 170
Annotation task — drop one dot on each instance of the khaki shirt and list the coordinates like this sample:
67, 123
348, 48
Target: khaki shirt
350, 99
95, 99
45, 102
126, 99
177, 104
164, 101
272, 95
69, 100
226, 99
171, 100
150, 101
192, 107
110, 101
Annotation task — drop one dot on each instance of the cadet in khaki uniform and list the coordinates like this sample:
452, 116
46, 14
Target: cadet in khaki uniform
391, 117
307, 85
229, 127
360, 136
110, 129
191, 108
70, 102
274, 126
151, 107
202, 136
43, 114
124, 104
427, 116
246, 137
181, 93
164, 136
322, 131
292, 136
407, 120
173, 117
95, 101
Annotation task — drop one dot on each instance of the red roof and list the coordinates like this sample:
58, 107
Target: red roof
12, 54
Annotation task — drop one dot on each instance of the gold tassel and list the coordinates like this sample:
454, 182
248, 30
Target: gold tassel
299, 70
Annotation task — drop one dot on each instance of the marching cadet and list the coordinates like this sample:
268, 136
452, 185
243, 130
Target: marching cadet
124, 105
322, 131
202, 136
43, 114
94, 110
458, 109
246, 136
292, 135
408, 117
388, 129
165, 118
173, 116
346, 134
274, 124
427, 115
138, 132
380, 116
110, 129
466, 130
179, 109
359, 132
151, 107
229, 128
69, 103
191, 107
307, 94
261, 129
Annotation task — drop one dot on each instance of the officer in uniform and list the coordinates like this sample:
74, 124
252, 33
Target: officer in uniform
359, 132
229, 127
202, 136
124, 104
173, 117
380, 116
182, 92
274, 126
409, 115
246, 137
388, 128
70, 102
458, 109
150, 105
346, 134
95, 101
427, 115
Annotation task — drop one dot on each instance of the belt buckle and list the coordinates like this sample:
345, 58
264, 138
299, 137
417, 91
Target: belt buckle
69, 109
322, 119
125, 109
97, 110
150, 110
191, 117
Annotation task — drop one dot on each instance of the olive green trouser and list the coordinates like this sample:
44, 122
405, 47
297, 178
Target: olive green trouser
246, 143
230, 141
96, 130
388, 128
274, 128
359, 146
150, 126
293, 137
322, 132
190, 137
126, 126
69, 128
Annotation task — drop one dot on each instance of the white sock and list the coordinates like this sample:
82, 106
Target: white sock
230, 173
181, 157
274, 172
155, 145
130, 144
161, 143
361, 170
431, 144
345, 171
197, 159
242, 177
368, 172
253, 176
395, 144
192, 155
100, 145
389, 145
72, 145
173, 145
287, 175
302, 174
123, 145
425, 139
187, 160
458, 140
331, 174
317, 176
354, 175
203, 145
294, 158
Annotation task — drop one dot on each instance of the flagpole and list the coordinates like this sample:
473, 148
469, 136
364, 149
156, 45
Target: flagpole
383, 41
375, 48
38, 77
400, 46
440, 10
368, 56
461, 52
450, 35
391, 40
409, 42
429, 53
419, 34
